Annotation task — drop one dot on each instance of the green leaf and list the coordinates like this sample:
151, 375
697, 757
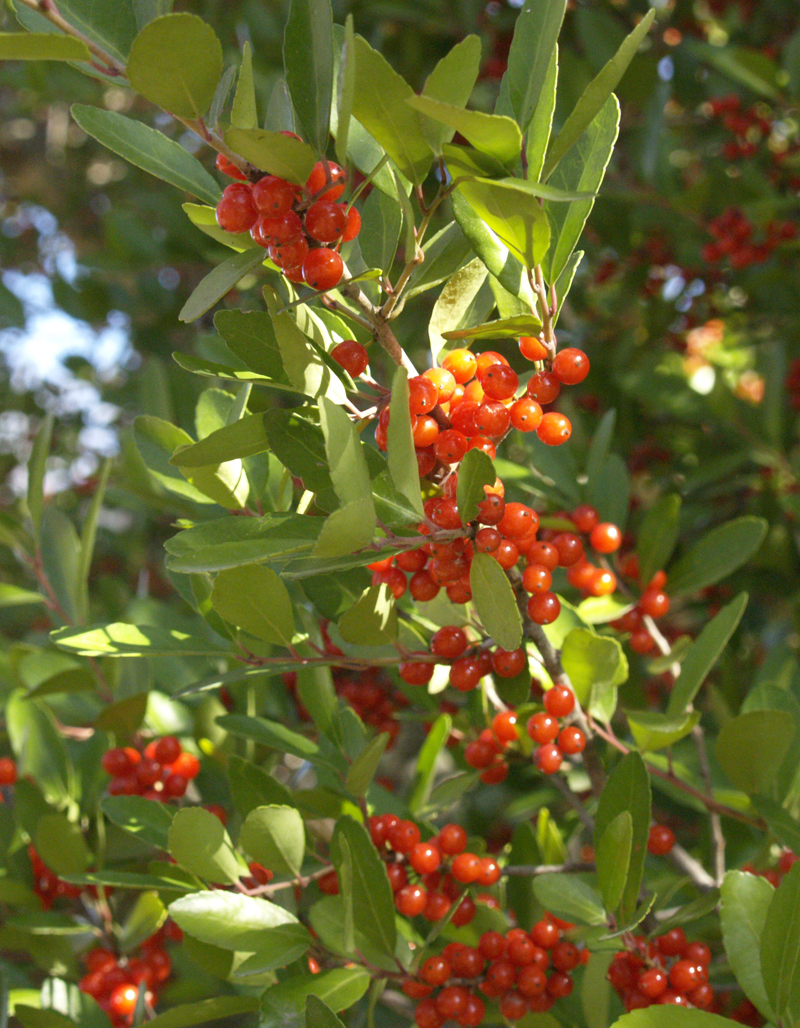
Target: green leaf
39, 748
474, 472
450, 791
541, 124
148, 821
454, 302
274, 735
780, 949
112, 27
372, 620
627, 789
519, 888
345, 451
704, 652
244, 113
658, 536
34, 1017
145, 918
492, 134
347, 530
37, 466
176, 62
275, 837
345, 92
255, 600
305, 368
370, 896
320, 1015
300, 446
610, 491
717, 554
672, 1017
653, 730
283, 1005
251, 336
495, 602
174, 880
243, 438
444, 254
308, 62
362, 770
124, 640
149, 149
535, 38
188, 1015
241, 923
42, 46
400, 444
596, 665
381, 222
745, 899
568, 896
273, 153
379, 103
219, 282
14, 596
425, 769
199, 843
452, 82
783, 826
230, 542
751, 748
501, 328
596, 990
613, 859
582, 169
595, 96
251, 786
60, 844
205, 218
513, 214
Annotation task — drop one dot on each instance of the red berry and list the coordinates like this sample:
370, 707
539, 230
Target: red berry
585, 518
536, 578
273, 196
569, 547
317, 179
353, 225
462, 364
236, 211
545, 934
605, 538
654, 603
450, 446
499, 381
554, 428
509, 663
544, 387
548, 758
571, 740
542, 727
8, 771
565, 955
411, 900
532, 349
559, 700
403, 836
435, 971
229, 168
425, 858
187, 765
322, 269
427, 1015
543, 608
570, 366
452, 839
653, 982
120, 762
466, 868
122, 1001
415, 672
465, 674
672, 943
559, 984
660, 840
325, 221
451, 1000
513, 1006
352, 356
167, 750
504, 726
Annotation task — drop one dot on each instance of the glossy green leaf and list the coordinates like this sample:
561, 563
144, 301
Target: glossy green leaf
39, 748
541, 124
596, 990
188, 1015
60, 553
308, 63
663, 1016
569, 897
658, 535
124, 640
532, 47
717, 554
283, 1005
501, 328
425, 768
381, 222
176, 62
379, 103
582, 169
244, 114
519, 888
370, 896
450, 791
113, 27
37, 466
273, 153
445, 253
362, 770
146, 916
199, 843
783, 826
653, 730
123, 717
704, 652
347, 530
42, 46
751, 748
609, 492
595, 96
320, 1014
149, 149
148, 821
491, 134
60, 844
251, 786
305, 368
451, 82
613, 858
345, 452
255, 600
235, 922
745, 899
780, 949
219, 282
454, 302
243, 438
513, 214
250, 335
627, 789
269, 733
495, 602
345, 92
372, 620
14, 596
474, 472
596, 665
275, 837
175, 880
35, 1017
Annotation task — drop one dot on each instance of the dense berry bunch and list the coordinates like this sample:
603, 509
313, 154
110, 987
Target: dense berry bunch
162, 772
522, 971
114, 981
733, 239
46, 883
668, 970
774, 875
653, 602
301, 228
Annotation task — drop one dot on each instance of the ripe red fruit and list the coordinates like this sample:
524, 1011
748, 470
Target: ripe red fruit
672, 943
532, 349
542, 727
605, 537
288, 256
518, 520
273, 196
427, 1015
403, 836
492, 418
422, 395
466, 868
559, 700
554, 428
685, 976
513, 1006
452, 839
536, 579
654, 603
565, 955
491, 510
585, 518
571, 740
122, 1000
411, 900
653, 982
473, 1013
499, 381
449, 642
569, 547
544, 387
236, 211
450, 446
8, 771
283, 228
352, 356
570, 366
325, 221
229, 168
329, 884
435, 971
509, 663
465, 674
559, 985
543, 608
451, 1000
660, 840
352, 226
543, 553
462, 364
187, 765
315, 184
415, 672
545, 934
322, 269
548, 758
167, 750
120, 762
526, 414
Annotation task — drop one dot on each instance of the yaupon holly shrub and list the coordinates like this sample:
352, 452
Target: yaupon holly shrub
415, 728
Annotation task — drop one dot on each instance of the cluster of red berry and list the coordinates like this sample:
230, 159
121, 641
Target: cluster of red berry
46, 883
8, 772
114, 981
774, 875
752, 130
162, 772
300, 228
523, 971
653, 603
667, 970
372, 696
733, 238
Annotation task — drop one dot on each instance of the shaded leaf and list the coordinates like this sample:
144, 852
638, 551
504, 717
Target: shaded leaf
275, 837
495, 602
